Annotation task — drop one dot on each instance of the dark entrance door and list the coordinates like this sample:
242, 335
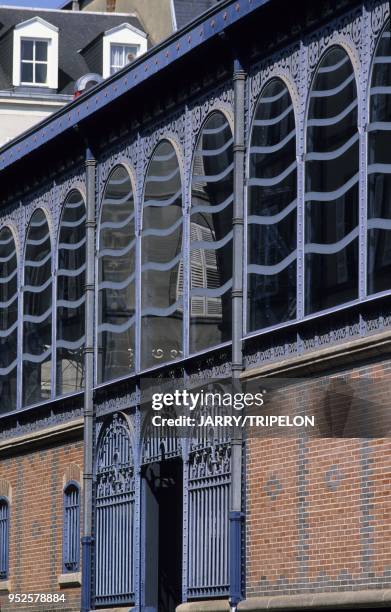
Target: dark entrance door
163, 493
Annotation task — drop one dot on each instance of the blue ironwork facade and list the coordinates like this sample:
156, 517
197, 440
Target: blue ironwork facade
180, 159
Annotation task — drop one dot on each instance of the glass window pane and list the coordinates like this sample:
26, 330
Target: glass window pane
272, 210
70, 296
41, 73
162, 309
211, 235
41, 50
116, 56
27, 50
37, 316
27, 73
332, 163
379, 177
116, 297
8, 320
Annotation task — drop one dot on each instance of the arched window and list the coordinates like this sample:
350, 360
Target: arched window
8, 320
161, 248
71, 296
379, 169
116, 289
115, 498
37, 313
4, 538
211, 235
331, 200
272, 210
71, 529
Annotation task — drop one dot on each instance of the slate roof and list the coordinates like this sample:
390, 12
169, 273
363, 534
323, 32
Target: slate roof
76, 31
187, 10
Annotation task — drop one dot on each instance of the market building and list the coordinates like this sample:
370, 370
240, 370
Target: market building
217, 208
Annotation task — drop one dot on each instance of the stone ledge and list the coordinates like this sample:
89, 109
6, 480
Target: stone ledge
379, 598
5, 586
218, 605
344, 353
126, 609
42, 436
73, 579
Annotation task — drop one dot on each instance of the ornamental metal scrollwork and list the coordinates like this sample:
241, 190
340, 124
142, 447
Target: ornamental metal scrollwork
286, 65
379, 13
115, 466
174, 128
124, 152
221, 98
210, 461
347, 31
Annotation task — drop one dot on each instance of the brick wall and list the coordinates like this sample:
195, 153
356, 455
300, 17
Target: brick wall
319, 508
37, 479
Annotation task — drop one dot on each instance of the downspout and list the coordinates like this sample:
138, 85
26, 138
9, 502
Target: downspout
87, 541
235, 515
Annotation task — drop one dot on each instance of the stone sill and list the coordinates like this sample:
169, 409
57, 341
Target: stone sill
5, 586
337, 600
127, 609
70, 580
218, 605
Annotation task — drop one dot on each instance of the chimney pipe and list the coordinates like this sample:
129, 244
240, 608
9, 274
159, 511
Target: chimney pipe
75, 5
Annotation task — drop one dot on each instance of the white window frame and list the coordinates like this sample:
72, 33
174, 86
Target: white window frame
125, 35
114, 68
40, 30
34, 62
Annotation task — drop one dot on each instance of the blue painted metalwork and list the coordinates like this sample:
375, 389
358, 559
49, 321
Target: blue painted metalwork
209, 483
71, 528
235, 530
4, 538
114, 515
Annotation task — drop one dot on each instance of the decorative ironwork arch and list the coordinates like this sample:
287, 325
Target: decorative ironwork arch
70, 305
115, 510
159, 443
8, 319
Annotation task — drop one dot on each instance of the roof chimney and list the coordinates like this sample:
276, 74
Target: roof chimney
110, 6
75, 5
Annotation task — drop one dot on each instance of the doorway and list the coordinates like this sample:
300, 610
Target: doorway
163, 532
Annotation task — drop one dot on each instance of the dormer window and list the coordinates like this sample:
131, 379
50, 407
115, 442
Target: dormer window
35, 54
121, 45
121, 55
34, 62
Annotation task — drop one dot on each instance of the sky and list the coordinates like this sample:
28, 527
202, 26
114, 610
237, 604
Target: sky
32, 3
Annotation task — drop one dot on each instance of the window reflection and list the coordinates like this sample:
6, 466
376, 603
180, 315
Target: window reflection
379, 170
272, 210
8, 320
211, 235
116, 282
331, 209
161, 245
37, 313
70, 296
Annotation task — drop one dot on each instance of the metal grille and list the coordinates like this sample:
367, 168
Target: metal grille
71, 551
4, 538
209, 493
114, 582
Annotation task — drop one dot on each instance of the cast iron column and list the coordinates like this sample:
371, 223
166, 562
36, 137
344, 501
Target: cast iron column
235, 516
90, 165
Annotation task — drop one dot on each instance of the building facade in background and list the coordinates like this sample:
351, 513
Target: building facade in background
44, 53
217, 209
